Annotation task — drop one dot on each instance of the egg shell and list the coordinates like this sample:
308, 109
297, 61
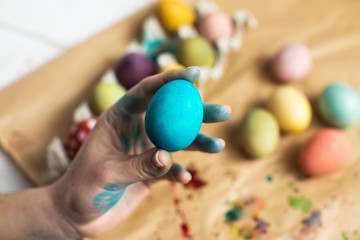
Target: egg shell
174, 116
339, 105
325, 152
176, 66
173, 14
78, 134
292, 63
104, 95
133, 68
259, 133
196, 51
173, 66
291, 108
215, 26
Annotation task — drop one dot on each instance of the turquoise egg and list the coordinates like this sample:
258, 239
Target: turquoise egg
339, 105
174, 116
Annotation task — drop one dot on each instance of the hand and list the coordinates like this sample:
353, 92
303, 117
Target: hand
117, 165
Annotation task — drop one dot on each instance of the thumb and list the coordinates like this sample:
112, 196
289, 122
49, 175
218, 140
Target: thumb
151, 164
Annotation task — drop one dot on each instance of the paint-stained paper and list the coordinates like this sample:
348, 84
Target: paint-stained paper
238, 198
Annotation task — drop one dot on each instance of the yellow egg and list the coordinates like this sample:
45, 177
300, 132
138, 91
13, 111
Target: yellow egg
176, 66
291, 108
171, 67
173, 14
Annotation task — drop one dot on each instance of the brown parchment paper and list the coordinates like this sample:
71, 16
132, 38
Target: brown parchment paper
40, 105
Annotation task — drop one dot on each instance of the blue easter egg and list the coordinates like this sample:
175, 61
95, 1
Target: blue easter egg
174, 116
339, 105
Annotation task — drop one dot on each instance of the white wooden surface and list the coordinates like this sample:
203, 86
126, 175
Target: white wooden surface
34, 32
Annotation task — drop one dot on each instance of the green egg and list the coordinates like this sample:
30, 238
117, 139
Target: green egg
259, 133
104, 95
196, 51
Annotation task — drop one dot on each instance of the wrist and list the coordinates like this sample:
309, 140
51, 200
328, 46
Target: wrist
59, 219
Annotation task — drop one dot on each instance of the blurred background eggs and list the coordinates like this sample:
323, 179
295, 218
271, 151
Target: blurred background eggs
174, 116
291, 63
291, 108
339, 105
133, 68
325, 152
173, 14
196, 51
259, 133
215, 26
104, 95
172, 66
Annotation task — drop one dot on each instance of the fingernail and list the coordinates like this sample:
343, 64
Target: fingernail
220, 142
187, 177
227, 108
192, 73
162, 158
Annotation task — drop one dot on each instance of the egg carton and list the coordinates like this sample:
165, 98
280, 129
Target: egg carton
156, 42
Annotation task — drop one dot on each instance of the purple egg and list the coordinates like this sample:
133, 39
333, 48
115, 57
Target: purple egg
133, 68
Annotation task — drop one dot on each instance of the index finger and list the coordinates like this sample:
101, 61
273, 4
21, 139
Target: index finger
137, 98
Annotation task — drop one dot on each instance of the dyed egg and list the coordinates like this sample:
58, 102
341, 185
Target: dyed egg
176, 66
196, 51
292, 63
104, 95
133, 68
259, 133
325, 152
172, 66
339, 105
174, 116
215, 26
291, 108
173, 14
78, 134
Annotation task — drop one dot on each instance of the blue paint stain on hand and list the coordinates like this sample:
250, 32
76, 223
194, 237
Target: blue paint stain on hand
216, 113
108, 198
208, 144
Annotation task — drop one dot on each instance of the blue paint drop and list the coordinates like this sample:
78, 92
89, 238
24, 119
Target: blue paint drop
269, 178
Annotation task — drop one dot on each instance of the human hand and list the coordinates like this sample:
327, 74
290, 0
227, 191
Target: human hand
117, 165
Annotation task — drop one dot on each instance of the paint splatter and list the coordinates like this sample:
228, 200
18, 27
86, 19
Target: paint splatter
314, 220
294, 188
233, 214
185, 230
195, 182
184, 227
301, 203
269, 178
311, 226
244, 220
261, 226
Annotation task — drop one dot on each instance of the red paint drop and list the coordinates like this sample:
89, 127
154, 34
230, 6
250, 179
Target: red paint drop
195, 182
185, 230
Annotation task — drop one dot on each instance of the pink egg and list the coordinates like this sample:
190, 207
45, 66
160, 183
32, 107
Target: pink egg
292, 63
325, 152
215, 26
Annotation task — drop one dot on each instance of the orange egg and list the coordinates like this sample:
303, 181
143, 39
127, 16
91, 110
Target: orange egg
325, 152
